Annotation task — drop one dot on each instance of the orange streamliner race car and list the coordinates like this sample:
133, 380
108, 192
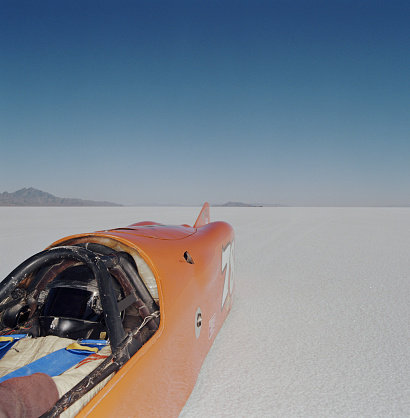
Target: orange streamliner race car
116, 322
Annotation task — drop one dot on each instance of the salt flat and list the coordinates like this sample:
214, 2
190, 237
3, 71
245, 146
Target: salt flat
319, 326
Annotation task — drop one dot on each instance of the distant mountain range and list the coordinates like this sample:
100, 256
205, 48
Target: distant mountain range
34, 197
247, 205
235, 205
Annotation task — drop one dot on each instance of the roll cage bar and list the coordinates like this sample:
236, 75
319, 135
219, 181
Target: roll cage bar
103, 262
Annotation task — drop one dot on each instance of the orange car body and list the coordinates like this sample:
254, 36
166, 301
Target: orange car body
193, 268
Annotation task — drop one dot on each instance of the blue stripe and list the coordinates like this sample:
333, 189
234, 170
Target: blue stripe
54, 363
6, 345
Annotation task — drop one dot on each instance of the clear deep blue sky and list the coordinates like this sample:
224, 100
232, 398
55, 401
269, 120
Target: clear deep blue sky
281, 101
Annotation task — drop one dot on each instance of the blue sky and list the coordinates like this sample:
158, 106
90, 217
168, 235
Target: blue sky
181, 102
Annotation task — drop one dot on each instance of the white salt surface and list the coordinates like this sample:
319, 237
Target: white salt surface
320, 323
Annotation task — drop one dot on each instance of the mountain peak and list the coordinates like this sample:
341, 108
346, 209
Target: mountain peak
34, 197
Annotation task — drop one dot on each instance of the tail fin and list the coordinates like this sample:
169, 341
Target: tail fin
203, 217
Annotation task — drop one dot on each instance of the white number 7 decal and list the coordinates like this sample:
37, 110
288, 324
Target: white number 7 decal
227, 267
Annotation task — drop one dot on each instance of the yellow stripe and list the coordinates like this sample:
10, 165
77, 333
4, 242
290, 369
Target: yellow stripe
76, 346
4, 339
